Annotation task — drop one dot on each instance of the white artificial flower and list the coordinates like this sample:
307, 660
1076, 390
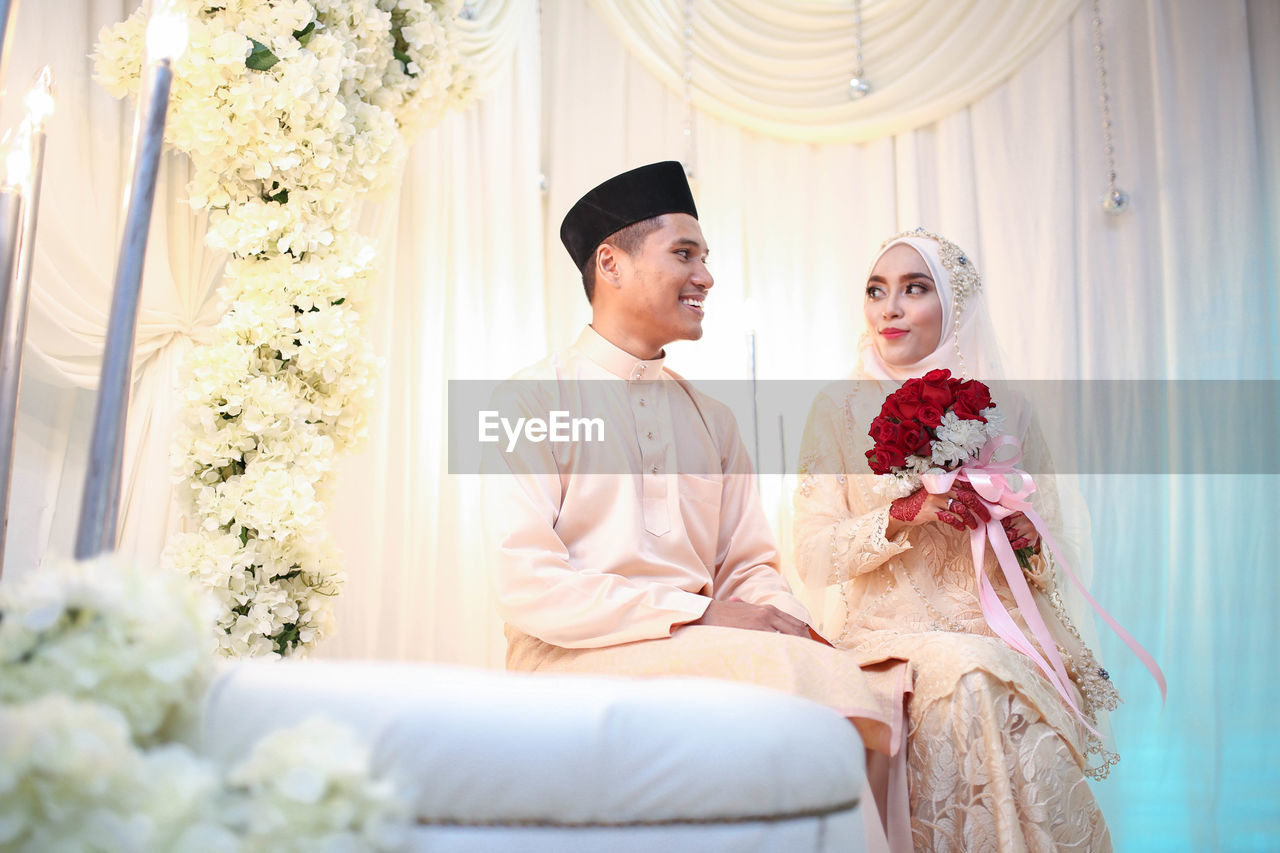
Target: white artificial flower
71, 778
894, 486
280, 156
295, 797
107, 630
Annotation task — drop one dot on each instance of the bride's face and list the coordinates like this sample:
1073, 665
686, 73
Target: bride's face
903, 310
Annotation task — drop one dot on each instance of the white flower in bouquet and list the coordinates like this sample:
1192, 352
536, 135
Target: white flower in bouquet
106, 630
893, 486
294, 797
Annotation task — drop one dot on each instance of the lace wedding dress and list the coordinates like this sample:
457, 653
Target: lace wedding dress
996, 760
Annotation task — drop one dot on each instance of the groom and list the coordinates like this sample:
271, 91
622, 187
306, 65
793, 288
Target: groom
587, 562
647, 554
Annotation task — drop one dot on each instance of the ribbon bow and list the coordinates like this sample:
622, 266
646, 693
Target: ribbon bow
992, 480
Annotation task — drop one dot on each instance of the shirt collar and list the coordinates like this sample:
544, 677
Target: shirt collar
616, 360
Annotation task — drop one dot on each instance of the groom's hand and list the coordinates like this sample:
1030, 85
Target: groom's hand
753, 617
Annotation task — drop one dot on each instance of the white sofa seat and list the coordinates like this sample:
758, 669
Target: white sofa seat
521, 762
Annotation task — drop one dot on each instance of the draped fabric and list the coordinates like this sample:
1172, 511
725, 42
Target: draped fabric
476, 285
490, 32
784, 68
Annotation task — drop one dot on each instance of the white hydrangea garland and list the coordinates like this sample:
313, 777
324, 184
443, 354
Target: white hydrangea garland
290, 110
101, 664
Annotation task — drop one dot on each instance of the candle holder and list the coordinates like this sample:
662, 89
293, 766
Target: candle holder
99, 507
24, 167
8, 14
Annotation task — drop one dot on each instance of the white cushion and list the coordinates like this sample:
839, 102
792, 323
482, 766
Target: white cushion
486, 747
839, 833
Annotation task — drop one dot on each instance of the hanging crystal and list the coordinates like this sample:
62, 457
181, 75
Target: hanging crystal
859, 86
1115, 201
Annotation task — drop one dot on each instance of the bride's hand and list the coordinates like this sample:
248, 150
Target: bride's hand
959, 507
1021, 532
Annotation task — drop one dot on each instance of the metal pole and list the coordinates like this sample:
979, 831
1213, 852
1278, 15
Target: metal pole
8, 14
100, 505
10, 216
13, 330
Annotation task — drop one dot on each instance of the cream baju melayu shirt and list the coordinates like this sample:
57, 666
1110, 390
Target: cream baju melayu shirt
608, 542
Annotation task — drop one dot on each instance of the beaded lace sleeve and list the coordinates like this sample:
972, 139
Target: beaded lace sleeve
836, 542
1067, 517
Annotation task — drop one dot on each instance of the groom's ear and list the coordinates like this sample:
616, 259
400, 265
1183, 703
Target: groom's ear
608, 265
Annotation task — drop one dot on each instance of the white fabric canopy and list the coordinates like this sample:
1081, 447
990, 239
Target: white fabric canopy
476, 285
783, 68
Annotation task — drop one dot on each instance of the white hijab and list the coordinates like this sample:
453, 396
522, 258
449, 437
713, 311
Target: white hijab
968, 345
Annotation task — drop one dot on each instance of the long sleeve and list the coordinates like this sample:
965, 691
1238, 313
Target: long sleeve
542, 594
573, 600
747, 560
835, 542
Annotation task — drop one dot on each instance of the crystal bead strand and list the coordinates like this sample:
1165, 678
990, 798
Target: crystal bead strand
858, 85
1115, 200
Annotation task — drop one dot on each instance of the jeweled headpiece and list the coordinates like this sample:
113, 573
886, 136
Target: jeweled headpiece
964, 275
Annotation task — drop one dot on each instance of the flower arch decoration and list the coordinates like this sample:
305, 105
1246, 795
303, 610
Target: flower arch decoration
290, 111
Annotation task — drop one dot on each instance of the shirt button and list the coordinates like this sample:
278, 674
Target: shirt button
654, 469
641, 401
649, 434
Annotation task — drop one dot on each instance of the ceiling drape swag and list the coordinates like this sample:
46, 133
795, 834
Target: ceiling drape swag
490, 35
783, 68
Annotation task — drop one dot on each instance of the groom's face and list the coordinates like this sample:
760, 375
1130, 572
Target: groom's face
662, 285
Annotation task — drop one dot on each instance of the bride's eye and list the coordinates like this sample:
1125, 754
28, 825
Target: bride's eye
873, 291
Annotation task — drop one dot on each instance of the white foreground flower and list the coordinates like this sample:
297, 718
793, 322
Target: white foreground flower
106, 630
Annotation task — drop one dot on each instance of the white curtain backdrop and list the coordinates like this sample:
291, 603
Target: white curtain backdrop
476, 285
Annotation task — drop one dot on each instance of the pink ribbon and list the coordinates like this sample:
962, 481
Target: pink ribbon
991, 480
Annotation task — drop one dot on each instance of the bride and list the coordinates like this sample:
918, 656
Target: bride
996, 759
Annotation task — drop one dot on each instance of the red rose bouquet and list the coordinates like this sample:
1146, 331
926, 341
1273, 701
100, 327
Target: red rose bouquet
930, 425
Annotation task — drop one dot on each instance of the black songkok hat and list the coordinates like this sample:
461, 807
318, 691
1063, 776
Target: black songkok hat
631, 197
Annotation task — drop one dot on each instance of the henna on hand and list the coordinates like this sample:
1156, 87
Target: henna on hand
960, 511
970, 499
947, 518
906, 509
